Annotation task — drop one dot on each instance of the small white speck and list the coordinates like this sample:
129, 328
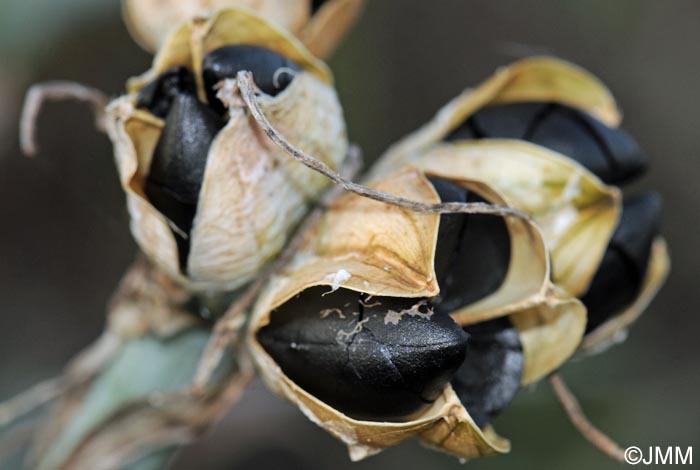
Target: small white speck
337, 279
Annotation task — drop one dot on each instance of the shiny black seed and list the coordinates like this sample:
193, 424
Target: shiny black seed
450, 227
610, 153
623, 269
272, 72
356, 355
510, 121
473, 251
158, 95
177, 169
489, 378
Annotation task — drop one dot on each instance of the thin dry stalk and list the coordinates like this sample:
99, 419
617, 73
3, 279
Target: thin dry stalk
31, 399
227, 328
246, 88
55, 91
577, 417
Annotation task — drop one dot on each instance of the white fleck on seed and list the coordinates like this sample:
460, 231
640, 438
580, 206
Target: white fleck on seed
394, 317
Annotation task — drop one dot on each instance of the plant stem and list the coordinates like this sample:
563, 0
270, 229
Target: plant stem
577, 417
246, 88
55, 91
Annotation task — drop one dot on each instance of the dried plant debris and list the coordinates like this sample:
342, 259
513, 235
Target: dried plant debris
612, 154
365, 360
489, 379
623, 270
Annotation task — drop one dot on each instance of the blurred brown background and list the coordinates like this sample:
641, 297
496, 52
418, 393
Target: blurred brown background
64, 240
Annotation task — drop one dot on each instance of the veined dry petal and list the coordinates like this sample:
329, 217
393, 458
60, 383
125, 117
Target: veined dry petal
550, 334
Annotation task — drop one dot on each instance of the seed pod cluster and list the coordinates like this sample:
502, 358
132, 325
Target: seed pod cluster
369, 309
380, 332
320, 25
560, 107
211, 199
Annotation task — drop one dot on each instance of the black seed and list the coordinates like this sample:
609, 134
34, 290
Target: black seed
509, 121
472, 254
621, 273
610, 153
627, 160
272, 72
450, 227
177, 169
392, 367
489, 378
158, 95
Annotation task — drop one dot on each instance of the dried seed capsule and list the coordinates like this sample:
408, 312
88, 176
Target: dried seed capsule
610, 153
390, 254
393, 352
203, 209
158, 95
489, 378
623, 269
377, 359
177, 169
272, 72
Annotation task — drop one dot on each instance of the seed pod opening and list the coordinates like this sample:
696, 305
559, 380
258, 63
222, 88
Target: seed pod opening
202, 208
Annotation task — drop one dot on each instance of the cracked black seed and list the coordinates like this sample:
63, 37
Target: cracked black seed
379, 370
